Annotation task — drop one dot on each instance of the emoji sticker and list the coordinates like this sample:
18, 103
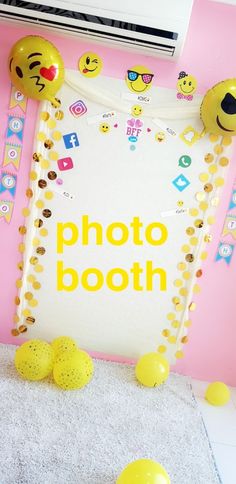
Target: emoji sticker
36, 68
104, 128
186, 86
139, 79
136, 110
160, 136
189, 136
90, 64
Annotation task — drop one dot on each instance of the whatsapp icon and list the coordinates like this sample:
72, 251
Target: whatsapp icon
185, 161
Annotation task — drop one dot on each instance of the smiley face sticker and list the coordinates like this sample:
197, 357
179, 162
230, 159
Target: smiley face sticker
90, 64
139, 79
104, 128
186, 86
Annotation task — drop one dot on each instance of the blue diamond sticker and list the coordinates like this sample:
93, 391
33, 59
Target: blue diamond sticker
181, 182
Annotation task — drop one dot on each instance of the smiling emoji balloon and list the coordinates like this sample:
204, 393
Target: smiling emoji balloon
218, 108
139, 79
90, 64
36, 68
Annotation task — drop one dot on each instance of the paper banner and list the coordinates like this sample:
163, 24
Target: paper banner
12, 155
17, 99
225, 251
15, 127
230, 226
6, 209
232, 203
8, 183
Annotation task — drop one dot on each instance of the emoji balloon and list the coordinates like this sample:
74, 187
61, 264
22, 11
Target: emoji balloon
144, 471
218, 109
36, 68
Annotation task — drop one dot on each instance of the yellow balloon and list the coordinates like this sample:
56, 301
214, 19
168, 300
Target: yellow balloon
152, 369
36, 68
144, 471
218, 108
63, 344
90, 64
139, 79
34, 360
217, 393
73, 370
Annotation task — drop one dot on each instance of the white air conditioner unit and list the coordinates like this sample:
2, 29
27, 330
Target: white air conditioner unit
156, 27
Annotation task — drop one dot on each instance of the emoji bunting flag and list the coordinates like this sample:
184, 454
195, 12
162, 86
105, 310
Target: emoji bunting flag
12, 155
17, 99
6, 209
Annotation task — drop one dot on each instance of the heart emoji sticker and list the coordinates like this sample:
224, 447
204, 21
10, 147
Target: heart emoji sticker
48, 73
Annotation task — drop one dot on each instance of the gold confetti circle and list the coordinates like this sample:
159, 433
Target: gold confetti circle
188, 323
56, 135
185, 248
189, 258
36, 157
199, 273
39, 204
161, 349
166, 333
179, 307
175, 300
41, 136
26, 313
38, 222
213, 138
204, 255
193, 211
203, 206
175, 324
31, 278
192, 306
193, 241
20, 265
19, 283
212, 169
33, 176
17, 301
219, 182
22, 229
25, 212
33, 303
178, 283
184, 340
44, 116
30, 320
36, 285
196, 289
29, 193
15, 332
38, 268
21, 247
48, 195
208, 158
51, 123
48, 144
183, 291
208, 187
43, 232
33, 260
186, 275
45, 164
190, 231
59, 115
181, 266
218, 149
203, 177
16, 318
224, 161
227, 140
200, 196
28, 296
22, 328
172, 339
35, 241
179, 354
53, 155
211, 220
170, 316
207, 238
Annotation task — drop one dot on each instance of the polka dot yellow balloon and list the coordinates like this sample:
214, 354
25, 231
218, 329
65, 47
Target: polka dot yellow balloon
152, 369
73, 370
63, 344
34, 360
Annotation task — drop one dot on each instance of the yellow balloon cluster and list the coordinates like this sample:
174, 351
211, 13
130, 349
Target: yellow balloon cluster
72, 368
34, 360
152, 369
36, 68
218, 108
143, 471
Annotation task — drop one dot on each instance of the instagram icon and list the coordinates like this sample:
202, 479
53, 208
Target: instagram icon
78, 108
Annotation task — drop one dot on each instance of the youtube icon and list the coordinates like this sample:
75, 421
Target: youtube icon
65, 164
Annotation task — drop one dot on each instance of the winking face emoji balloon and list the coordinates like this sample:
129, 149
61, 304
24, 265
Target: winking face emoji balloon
36, 68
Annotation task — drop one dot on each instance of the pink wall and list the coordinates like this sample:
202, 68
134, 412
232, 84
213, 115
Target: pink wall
209, 55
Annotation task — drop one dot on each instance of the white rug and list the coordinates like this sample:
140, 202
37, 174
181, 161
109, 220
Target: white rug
49, 436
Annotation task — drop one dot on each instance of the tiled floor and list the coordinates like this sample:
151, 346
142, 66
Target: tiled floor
221, 427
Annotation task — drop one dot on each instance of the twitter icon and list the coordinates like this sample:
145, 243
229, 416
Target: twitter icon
181, 182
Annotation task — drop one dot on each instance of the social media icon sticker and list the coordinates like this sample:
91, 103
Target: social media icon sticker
181, 182
71, 140
185, 161
65, 164
78, 108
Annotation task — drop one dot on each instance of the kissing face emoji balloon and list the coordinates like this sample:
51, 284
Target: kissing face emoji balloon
218, 108
36, 68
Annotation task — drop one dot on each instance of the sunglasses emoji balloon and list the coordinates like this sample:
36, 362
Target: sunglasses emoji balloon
36, 68
139, 79
218, 109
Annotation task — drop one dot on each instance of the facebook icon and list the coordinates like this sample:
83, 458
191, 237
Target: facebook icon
71, 140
